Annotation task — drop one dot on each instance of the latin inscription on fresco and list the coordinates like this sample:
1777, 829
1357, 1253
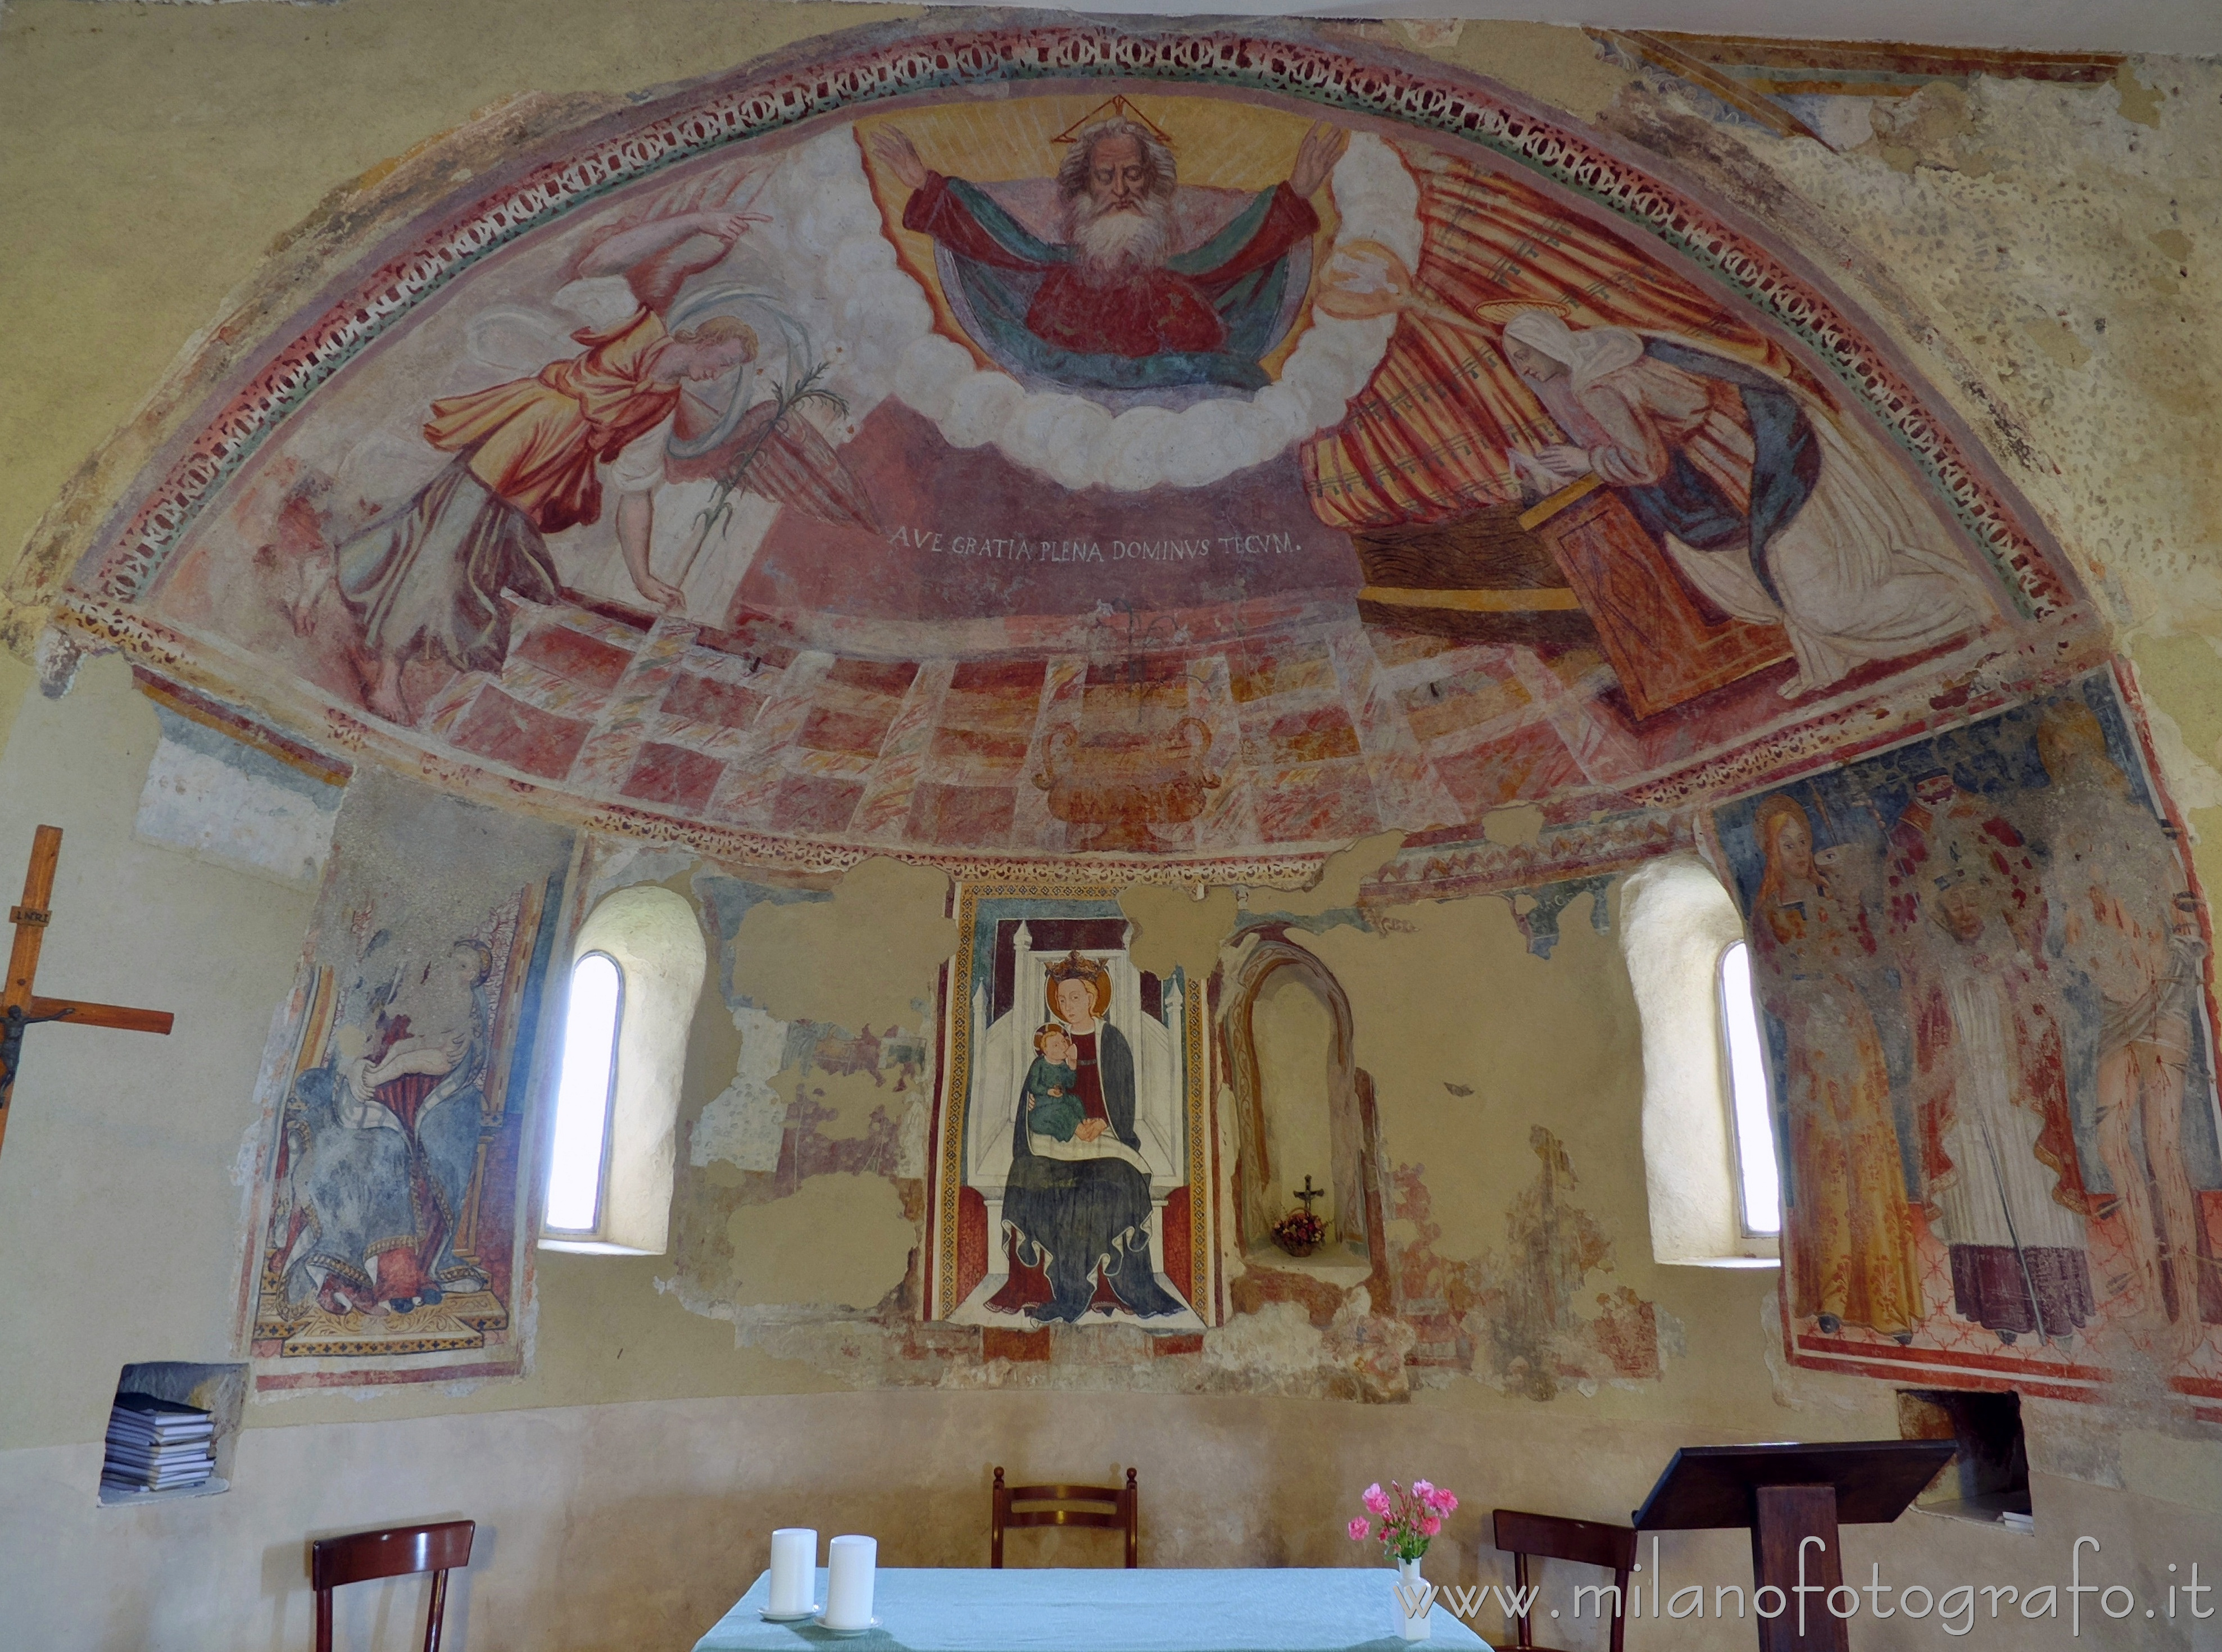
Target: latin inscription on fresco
1020, 549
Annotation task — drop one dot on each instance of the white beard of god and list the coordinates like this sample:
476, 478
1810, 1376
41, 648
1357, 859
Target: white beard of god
1113, 244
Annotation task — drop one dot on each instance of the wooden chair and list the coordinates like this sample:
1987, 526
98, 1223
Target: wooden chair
1590, 1543
1116, 1506
362, 1555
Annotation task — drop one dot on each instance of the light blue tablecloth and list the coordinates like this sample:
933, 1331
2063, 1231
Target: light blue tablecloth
1046, 1610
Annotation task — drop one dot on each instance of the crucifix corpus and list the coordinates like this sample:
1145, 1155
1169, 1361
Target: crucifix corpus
19, 1007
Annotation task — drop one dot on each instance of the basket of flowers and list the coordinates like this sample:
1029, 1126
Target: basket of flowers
1300, 1232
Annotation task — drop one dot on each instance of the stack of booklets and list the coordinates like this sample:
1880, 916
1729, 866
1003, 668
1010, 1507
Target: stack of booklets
157, 1445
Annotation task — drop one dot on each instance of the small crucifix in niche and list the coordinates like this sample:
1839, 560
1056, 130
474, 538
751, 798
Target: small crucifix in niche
1300, 1232
19, 1007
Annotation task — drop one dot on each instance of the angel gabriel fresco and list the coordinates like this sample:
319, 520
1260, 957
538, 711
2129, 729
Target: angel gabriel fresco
532, 456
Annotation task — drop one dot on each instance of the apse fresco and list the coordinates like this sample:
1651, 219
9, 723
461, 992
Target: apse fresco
1986, 968
1069, 1177
396, 1164
1191, 468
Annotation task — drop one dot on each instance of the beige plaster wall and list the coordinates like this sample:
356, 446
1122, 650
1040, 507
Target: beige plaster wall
118, 1182
684, 1494
153, 153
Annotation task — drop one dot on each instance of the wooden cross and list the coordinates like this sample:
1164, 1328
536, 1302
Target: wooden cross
19, 1007
1306, 1193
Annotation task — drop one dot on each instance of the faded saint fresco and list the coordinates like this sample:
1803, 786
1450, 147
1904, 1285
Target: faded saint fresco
396, 1175
1112, 465
1985, 977
1069, 1179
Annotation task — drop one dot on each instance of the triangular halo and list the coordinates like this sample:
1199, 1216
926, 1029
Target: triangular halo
1117, 105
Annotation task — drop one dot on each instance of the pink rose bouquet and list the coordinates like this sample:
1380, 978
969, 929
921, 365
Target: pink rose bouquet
1409, 1519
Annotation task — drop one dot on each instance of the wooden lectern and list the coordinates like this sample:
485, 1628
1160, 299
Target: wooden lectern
1788, 1494
1661, 642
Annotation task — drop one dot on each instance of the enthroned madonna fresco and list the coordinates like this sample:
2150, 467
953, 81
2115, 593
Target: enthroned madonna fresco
1135, 459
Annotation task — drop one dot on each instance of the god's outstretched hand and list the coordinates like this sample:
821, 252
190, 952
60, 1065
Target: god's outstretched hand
1315, 157
899, 156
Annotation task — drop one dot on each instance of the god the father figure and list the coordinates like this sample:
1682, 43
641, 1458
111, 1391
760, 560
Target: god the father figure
1116, 305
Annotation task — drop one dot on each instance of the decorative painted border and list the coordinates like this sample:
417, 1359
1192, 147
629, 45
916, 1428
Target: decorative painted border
1201, 1210
2075, 1380
1310, 71
1453, 871
955, 1089
1905, 711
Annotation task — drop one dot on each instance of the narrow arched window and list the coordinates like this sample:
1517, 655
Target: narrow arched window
586, 1088
638, 965
1759, 1178
1710, 1171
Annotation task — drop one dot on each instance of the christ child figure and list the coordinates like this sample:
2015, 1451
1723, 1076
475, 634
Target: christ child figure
1053, 1105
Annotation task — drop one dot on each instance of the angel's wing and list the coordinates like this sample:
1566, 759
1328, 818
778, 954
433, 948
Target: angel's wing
720, 189
514, 340
787, 463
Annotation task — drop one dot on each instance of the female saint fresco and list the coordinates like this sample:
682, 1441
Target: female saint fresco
391, 1138
1076, 1212
1853, 1258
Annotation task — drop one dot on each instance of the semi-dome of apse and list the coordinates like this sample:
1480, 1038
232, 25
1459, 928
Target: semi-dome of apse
1185, 452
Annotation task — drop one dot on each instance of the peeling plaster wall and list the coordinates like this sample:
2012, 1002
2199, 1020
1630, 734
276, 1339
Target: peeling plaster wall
2035, 249
2043, 253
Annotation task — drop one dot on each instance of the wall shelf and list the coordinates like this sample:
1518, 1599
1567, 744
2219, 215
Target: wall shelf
1345, 1265
110, 1497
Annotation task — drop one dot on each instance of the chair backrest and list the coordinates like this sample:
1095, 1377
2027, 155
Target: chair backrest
1115, 1506
1586, 1542
362, 1555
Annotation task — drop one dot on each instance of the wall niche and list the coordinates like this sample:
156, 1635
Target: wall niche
1303, 1109
142, 1460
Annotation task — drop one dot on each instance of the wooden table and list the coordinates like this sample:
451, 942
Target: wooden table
1050, 1609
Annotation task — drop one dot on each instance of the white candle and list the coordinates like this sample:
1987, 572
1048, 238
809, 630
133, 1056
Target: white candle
849, 1563
793, 1571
